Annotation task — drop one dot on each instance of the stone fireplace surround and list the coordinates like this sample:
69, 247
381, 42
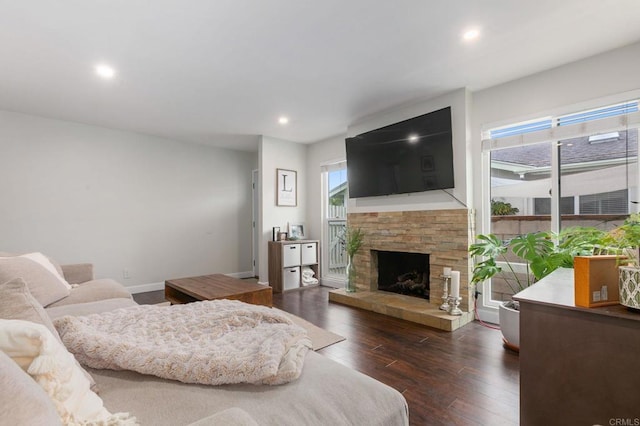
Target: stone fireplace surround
444, 235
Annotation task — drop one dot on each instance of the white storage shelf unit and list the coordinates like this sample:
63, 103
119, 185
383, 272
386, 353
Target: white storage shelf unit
286, 261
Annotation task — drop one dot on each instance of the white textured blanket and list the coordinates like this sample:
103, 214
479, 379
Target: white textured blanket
211, 342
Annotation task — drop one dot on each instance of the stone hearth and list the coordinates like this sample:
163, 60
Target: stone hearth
444, 235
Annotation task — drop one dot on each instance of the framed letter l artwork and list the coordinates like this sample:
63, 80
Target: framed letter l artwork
286, 187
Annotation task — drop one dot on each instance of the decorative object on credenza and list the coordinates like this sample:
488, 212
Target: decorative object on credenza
446, 277
282, 236
626, 238
353, 237
286, 188
596, 280
629, 286
296, 231
275, 233
454, 298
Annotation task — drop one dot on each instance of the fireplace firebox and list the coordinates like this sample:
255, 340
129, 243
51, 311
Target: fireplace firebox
404, 273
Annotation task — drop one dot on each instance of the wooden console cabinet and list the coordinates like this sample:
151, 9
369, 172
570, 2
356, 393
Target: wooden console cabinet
578, 366
286, 259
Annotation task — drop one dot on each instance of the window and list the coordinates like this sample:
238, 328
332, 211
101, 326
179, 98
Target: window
614, 202
335, 221
578, 169
542, 206
520, 128
595, 114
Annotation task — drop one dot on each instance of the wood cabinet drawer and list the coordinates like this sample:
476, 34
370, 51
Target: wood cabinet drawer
309, 254
290, 255
291, 278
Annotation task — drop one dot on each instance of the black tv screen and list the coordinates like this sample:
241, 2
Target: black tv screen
414, 155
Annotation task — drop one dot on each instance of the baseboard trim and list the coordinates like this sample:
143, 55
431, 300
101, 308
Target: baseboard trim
240, 275
332, 282
143, 288
489, 315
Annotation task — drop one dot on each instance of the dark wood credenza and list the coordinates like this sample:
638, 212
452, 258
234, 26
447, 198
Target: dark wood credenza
578, 366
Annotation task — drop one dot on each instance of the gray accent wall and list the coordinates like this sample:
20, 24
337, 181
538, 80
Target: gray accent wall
132, 204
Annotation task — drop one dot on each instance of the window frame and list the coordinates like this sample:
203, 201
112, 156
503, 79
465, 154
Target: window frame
628, 118
332, 280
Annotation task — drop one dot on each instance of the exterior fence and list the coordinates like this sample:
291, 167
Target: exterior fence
507, 227
337, 212
337, 255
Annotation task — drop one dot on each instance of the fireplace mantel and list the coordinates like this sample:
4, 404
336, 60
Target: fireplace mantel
443, 234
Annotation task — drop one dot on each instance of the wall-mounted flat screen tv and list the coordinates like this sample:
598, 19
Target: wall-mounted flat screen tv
414, 155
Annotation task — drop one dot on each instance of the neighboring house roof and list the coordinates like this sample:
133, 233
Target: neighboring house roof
574, 151
338, 189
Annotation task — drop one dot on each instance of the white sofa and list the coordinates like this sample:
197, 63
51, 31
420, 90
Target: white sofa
327, 393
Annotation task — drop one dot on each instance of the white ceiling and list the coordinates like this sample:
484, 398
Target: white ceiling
221, 72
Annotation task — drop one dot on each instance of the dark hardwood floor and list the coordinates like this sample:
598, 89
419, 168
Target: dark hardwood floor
463, 377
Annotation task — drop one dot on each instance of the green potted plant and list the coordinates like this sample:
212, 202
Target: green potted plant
526, 259
354, 237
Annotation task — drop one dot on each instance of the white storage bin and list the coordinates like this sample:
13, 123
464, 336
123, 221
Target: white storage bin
291, 278
290, 255
309, 253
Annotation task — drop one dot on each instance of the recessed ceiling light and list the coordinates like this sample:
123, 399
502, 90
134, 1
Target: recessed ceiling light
105, 71
283, 120
413, 138
471, 34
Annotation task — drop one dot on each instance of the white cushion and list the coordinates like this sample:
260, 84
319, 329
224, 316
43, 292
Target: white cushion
44, 358
16, 302
43, 260
22, 400
43, 284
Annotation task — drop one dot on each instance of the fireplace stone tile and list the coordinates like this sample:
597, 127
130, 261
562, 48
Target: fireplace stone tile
400, 306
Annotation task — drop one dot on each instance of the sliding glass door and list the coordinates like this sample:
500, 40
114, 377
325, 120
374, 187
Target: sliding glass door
579, 169
335, 222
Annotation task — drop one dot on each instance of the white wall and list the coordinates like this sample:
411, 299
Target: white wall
279, 154
430, 200
328, 151
158, 208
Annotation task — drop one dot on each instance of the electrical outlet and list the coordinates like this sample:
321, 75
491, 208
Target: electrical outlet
126, 274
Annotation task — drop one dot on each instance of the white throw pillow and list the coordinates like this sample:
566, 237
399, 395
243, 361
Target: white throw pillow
44, 358
22, 400
45, 286
46, 263
16, 302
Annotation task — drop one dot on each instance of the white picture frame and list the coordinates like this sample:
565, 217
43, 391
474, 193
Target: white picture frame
286, 188
296, 231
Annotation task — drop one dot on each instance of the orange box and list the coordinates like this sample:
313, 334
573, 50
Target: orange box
596, 280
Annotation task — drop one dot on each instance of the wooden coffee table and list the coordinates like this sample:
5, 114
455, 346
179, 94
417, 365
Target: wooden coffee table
216, 286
